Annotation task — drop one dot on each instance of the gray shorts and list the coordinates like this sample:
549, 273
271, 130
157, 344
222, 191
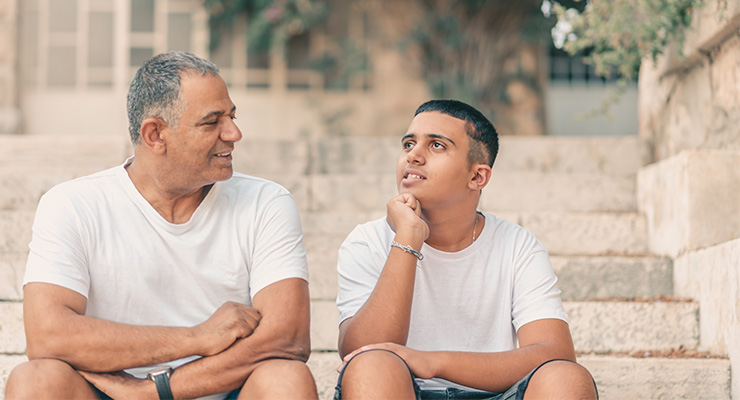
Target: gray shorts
515, 392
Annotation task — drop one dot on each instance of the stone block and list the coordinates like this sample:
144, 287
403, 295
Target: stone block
22, 188
555, 191
712, 276
618, 155
12, 335
88, 153
632, 326
12, 267
691, 200
323, 366
7, 363
321, 253
324, 325
588, 233
15, 230
587, 278
659, 378
351, 192
356, 155
271, 157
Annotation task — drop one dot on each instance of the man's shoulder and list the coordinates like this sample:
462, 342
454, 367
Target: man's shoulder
85, 185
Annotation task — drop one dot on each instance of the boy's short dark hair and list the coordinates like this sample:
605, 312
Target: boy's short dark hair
484, 143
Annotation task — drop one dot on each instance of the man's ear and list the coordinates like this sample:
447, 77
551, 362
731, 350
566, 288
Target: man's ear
481, 176
151, 132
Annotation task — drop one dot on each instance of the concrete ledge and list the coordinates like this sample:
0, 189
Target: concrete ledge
15, 230
588, 233
691, 200
631, 326
659, 378
712, 276
12, 335
587, 278
12, 267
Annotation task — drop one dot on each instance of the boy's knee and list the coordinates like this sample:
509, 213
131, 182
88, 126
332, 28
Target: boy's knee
562, 377
375, 374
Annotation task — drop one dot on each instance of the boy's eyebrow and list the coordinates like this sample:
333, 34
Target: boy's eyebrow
430, 135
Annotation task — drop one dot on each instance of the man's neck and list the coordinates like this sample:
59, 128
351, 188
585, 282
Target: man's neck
451, 230
175, 205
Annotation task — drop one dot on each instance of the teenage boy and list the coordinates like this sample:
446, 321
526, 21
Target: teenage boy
434, 298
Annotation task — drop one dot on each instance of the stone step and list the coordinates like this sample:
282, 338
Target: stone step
12, 335
616, 377
610, 155
617, 326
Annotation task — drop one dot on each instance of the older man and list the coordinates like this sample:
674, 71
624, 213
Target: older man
170, 275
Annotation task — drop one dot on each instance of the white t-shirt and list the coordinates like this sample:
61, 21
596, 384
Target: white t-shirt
472, 300
98, 236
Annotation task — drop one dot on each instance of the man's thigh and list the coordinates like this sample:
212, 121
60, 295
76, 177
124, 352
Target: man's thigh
47, 378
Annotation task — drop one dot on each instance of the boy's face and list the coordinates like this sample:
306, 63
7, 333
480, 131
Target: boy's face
433, 165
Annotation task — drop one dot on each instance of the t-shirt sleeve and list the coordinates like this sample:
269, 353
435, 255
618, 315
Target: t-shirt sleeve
358, 270
535, 295
278, 251
56, 250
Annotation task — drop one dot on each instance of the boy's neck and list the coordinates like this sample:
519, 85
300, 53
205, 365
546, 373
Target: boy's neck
451, 230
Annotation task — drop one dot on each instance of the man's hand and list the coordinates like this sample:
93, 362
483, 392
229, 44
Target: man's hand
232, 321
120, 385
420, 362
404, 217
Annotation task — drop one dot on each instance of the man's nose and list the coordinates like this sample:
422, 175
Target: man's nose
231, 132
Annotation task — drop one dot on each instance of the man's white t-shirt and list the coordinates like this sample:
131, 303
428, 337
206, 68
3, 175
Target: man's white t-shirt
97, 235
472, 300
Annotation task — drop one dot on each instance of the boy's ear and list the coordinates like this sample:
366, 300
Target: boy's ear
152, 130
481, 175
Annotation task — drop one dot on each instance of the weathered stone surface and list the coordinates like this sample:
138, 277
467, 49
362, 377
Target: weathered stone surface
631, 326
64, 151
324, 366
712, 276
659, 378
352, 193
554, 191
12, 336
15, 230
588, 233
691, 200
271, 157
586, 278
12, 267
324, 325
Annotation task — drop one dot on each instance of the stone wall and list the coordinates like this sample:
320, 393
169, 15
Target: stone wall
690, 117
9, 112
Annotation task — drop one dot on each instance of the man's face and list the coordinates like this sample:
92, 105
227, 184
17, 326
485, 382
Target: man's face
433, 165
199, 149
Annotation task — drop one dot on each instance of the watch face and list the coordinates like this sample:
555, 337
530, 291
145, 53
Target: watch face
159, 371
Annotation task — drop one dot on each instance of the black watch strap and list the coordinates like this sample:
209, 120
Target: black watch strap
161, 378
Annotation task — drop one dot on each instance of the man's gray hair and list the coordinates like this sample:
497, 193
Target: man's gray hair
155, 89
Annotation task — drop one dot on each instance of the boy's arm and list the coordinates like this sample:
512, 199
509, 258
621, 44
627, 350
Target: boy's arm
385, 315
56, 327
539, 341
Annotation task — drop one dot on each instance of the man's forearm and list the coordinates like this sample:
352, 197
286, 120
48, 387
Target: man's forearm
230, 369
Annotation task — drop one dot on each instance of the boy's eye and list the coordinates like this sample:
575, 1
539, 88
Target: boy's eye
438, 145
407, 145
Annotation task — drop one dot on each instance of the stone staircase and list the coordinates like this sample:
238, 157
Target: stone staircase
576, 194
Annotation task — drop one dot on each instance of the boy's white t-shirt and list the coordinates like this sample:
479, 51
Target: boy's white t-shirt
472, 300
98, 236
